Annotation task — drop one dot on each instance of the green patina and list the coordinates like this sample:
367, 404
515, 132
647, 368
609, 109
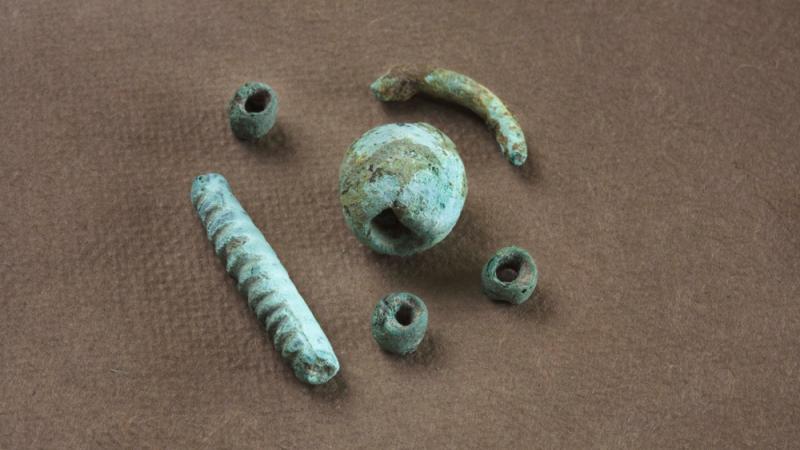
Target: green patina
253, 110
510, 276
403, 82
402, 160
399, 322
402, 188
261, 277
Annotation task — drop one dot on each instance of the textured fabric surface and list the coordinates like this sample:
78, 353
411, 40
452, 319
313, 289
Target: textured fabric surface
661, 201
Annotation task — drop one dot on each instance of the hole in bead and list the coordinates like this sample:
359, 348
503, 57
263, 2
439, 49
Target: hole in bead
257, 102
508, 271
388, 225
404, 314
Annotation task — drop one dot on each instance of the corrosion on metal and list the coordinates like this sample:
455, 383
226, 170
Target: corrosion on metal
403, 82
253, 110
399, 322
510, 275
402, 187
261, 277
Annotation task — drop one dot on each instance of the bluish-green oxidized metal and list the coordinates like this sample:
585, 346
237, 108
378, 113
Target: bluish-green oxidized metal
403, 82
399, 322
402, 187
253, 110
510, 276
262, 279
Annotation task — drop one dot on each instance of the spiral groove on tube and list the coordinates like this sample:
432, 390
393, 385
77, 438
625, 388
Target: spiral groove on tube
261, 277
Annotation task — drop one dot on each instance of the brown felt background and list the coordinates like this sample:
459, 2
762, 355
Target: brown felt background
661, 201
